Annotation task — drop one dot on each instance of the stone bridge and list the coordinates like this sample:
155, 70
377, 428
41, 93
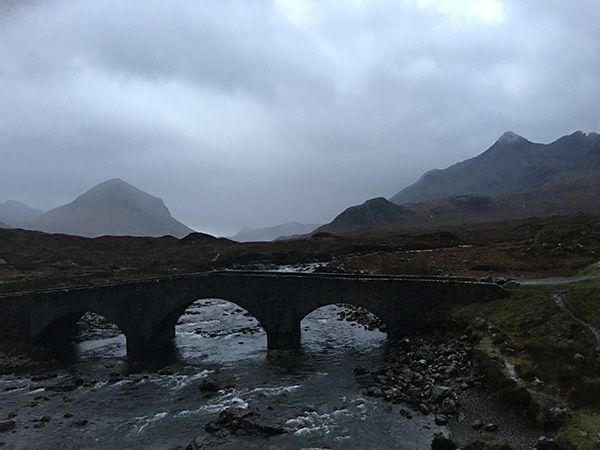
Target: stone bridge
146, 311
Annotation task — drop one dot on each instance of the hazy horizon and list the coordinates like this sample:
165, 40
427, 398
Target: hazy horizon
255, 114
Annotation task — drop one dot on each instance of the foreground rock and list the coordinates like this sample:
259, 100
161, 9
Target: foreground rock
7, 425
213, 384
243, 422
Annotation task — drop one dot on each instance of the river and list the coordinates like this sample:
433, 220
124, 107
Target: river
97, 399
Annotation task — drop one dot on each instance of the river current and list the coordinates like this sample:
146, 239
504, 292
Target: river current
97, 399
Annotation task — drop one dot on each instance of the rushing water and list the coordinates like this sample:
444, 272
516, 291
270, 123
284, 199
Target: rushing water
100, 400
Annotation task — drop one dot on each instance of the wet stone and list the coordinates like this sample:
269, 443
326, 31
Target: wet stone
449, 407
441, 419
360, 370
242, 421
490, 427
441, 442
7, 425
405, 413
480, 324
79, 423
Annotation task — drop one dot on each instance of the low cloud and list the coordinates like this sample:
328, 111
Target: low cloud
239, 113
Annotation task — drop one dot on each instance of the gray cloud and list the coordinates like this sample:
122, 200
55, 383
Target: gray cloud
252, 113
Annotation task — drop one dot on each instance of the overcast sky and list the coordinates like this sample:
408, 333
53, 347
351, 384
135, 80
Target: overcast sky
257, 112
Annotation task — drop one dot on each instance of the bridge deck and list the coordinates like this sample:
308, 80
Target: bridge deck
267, 274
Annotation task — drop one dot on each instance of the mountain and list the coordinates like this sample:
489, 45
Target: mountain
513, 164
513, 179
13, 212
275, 232
3, 225
112, 208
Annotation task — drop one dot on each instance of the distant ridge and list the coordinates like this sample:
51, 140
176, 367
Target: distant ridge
512, 164
271, 233
115, 208
13, 212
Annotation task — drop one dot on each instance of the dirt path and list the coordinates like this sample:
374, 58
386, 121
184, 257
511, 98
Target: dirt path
557, 297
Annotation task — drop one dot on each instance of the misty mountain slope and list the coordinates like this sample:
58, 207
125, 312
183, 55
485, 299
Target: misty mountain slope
13, 212
275, 232
3, 225
112, 208
513, 164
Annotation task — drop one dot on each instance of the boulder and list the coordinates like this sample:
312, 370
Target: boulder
441, 442
244, 422
449, 407
480, 324
212, 384
441, 420
490, 427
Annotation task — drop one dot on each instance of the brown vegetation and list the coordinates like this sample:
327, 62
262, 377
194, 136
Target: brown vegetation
530, 248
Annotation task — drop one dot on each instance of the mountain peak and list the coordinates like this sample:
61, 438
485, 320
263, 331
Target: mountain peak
114, 183
511, 164
510, 137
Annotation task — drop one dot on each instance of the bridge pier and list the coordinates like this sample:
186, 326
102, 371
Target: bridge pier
149, 347
283, 335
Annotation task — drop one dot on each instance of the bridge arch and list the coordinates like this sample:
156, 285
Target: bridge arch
350, 327
366, 307
174, 315
64, 325
211, 327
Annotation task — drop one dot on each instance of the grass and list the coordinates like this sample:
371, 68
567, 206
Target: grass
591, 269
583, 299
582, 432
544, 343
532, 322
